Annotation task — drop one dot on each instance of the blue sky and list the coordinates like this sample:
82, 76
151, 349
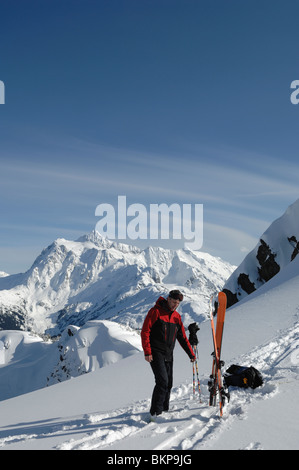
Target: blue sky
164, 101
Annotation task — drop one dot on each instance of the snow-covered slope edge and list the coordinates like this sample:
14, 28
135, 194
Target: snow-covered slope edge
28, 362
72, 282
277, 247
106, 409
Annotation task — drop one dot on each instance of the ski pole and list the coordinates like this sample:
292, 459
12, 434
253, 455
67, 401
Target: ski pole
197, 373
193, 329
193, 379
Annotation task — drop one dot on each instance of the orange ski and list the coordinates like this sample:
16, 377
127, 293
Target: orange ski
215, 383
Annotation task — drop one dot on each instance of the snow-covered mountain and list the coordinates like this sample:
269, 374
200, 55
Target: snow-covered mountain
107, 408
72, 282
277, 247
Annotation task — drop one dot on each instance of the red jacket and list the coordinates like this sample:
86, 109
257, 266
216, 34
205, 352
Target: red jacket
161, 328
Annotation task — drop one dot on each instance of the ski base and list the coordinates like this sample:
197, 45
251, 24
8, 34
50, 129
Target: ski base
215, 384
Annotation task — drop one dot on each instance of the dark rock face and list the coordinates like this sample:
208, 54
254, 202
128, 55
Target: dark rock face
231, 298
12, 318
268, 266
293, 241
245, 283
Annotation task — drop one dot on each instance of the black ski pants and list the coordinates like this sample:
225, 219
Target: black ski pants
163, 372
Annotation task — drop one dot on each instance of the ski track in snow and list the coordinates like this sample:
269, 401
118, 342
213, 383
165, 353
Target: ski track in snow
189, 425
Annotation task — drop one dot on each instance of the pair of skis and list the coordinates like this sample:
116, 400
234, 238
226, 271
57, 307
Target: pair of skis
216, 388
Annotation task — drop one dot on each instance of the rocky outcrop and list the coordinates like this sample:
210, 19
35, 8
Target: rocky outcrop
277, 247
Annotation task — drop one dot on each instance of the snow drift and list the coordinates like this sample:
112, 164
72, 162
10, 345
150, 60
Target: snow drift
28, 362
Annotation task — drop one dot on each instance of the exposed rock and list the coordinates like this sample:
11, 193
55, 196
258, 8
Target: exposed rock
268, 267
277, 247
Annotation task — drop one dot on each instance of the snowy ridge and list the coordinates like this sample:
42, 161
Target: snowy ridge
72, 282
277, 247
28, 362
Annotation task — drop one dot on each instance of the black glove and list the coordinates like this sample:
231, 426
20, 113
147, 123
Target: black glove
193, 329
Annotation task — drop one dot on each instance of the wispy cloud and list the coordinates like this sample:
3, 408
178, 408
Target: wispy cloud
242, 192
206, 176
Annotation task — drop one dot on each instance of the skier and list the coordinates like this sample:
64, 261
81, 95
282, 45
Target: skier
161, 327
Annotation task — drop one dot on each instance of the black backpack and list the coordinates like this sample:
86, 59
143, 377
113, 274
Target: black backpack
243, 376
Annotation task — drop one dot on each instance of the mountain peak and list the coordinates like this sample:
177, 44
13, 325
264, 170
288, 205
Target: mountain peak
95, 237
3, 274
72, 282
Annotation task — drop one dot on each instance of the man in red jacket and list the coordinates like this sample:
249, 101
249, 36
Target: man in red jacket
161, 327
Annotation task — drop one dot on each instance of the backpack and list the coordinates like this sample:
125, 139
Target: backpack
242, 376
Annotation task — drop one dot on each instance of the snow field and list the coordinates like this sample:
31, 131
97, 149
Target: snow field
264, 418
190, 425
107, 409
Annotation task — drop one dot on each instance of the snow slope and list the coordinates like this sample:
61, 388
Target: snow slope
277, 247
107, 408
28, 362
72, 282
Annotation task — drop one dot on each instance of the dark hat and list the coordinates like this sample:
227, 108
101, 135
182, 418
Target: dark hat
176, 294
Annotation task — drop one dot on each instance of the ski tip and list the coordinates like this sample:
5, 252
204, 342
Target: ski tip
222, 295
222, 298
